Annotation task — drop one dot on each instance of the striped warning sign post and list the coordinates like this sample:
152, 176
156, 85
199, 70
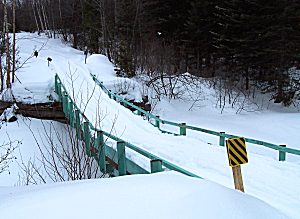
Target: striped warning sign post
236, 150
237, 155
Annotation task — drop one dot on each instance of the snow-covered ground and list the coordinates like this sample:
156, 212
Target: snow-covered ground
164, 195
24, 135
265, 177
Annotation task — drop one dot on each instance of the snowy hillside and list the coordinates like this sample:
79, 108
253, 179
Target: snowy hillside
265, 178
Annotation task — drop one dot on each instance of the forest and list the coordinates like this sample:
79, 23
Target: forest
239, 45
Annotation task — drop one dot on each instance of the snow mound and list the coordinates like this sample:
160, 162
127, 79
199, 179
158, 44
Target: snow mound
163, 195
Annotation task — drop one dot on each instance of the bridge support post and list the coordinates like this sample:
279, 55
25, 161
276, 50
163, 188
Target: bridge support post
101, 151
59, 92
87, 138
77, 124
183, 129
71, 113
282, 154
222, 139
101, 84
65, 104
157, 124
121, 158
156, 166
56, 84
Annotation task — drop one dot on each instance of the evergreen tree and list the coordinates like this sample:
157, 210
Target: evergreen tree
91, 26
257, 40
200, 28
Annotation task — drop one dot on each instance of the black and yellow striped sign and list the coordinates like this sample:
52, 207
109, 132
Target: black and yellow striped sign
236, 150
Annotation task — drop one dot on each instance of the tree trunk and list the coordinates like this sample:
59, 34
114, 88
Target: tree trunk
35, 18
40, 18
247, 78
8, 84
1, 76
14, 42
75, 40
46, 22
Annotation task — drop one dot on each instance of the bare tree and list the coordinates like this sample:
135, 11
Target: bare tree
6, 154
63, 155
31, 173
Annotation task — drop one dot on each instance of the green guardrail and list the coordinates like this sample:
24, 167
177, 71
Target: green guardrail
282, 149
138, 109
96, 147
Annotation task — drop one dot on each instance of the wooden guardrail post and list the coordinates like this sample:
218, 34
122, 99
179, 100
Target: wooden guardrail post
87, 138
77, 124
71, 113
222, 139
121, 158
59, 92
101, 151
109, 94
282, 154
114, 97
156, 166
157, 124
183, 129
65, 104
56, 84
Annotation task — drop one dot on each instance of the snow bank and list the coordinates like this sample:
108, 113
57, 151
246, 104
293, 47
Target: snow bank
164, 195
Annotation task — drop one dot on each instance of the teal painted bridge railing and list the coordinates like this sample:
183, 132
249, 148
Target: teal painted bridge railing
183, 127
96, 147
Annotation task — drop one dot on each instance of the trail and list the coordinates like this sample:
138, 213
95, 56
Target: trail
277, 183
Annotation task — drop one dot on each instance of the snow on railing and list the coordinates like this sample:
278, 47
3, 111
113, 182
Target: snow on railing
183, 126
95, 145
